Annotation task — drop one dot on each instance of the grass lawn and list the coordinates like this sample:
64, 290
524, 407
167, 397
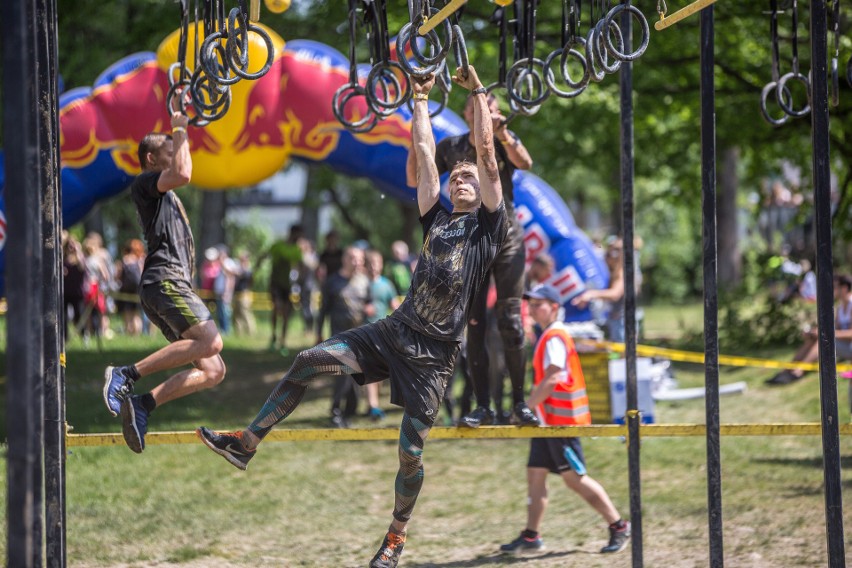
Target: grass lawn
327, 504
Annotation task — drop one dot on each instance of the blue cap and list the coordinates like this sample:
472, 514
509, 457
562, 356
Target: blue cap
544, 292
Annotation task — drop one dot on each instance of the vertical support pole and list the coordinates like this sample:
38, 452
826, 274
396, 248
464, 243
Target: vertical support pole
825, 296
711, 296
23, 206
627, 222
53, 322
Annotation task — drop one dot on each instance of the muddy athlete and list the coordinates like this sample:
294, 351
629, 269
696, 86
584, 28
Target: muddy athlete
507, 272
416, 346
166, 291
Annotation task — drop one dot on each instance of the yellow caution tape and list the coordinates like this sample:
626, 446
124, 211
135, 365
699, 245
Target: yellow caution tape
484, 432
694, 357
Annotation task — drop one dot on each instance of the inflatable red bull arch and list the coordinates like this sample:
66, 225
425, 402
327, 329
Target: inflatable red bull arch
284, 115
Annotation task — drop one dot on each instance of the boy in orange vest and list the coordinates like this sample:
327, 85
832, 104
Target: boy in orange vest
559, 398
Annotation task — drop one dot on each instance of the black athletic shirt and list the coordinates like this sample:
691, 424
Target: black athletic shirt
455, 149
457, 252
171, 250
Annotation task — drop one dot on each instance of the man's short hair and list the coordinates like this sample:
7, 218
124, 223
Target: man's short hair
152, 142
463, 164
843, 280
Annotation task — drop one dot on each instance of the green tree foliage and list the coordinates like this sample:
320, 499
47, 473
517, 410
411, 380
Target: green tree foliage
575, 143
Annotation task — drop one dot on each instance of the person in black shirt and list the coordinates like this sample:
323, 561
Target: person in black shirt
166, 292
416, 346
507, 272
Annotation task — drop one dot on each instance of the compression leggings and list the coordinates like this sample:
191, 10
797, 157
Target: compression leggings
335, 357
332, 357
409, 479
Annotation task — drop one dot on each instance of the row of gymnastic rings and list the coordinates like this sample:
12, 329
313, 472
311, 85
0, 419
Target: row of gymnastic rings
387, 86
221, 61
530, 80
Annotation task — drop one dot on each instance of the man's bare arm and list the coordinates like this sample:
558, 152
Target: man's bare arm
179, 172
423, 145
515, 149
411, 168
486, 162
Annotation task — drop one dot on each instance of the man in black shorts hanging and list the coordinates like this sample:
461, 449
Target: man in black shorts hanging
416, 346
507, 272
166, 291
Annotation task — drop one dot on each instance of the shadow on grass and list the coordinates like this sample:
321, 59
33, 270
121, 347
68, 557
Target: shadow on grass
497, 559
809, 462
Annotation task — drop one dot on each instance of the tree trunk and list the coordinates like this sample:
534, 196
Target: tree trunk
730, 257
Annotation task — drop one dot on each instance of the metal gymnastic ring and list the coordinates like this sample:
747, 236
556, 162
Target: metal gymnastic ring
445, 84
577, 86
782, 85
460, 51
595, 74
242, 69
218, 71
521, 70
764, 100
237, 44
379, 73
601, 52
646, 33
201, 84
402, 38
175, 67
338, 105
443, 48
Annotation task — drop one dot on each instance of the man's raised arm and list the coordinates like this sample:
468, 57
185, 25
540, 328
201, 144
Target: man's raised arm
486, 162
423, 145
179, 171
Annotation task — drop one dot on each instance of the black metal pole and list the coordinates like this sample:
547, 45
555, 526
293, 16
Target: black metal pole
711, 295
54, 422
24, 281
627, 222
825, 295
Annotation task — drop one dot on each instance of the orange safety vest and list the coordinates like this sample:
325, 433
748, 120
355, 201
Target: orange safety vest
568, 404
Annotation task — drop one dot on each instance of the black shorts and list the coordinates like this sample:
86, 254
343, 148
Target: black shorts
417, 365
173, 306
557, 455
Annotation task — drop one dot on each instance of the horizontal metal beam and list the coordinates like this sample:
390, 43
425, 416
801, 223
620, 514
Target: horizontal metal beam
484, 432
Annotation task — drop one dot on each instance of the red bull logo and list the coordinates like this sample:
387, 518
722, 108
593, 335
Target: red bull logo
114, 118
287, 112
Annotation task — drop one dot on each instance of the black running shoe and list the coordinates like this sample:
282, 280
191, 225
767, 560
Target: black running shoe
134, 423
522, 545
229, 445
389, 552
117, 388
523, 416
618, 539
785, 377
482, 416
